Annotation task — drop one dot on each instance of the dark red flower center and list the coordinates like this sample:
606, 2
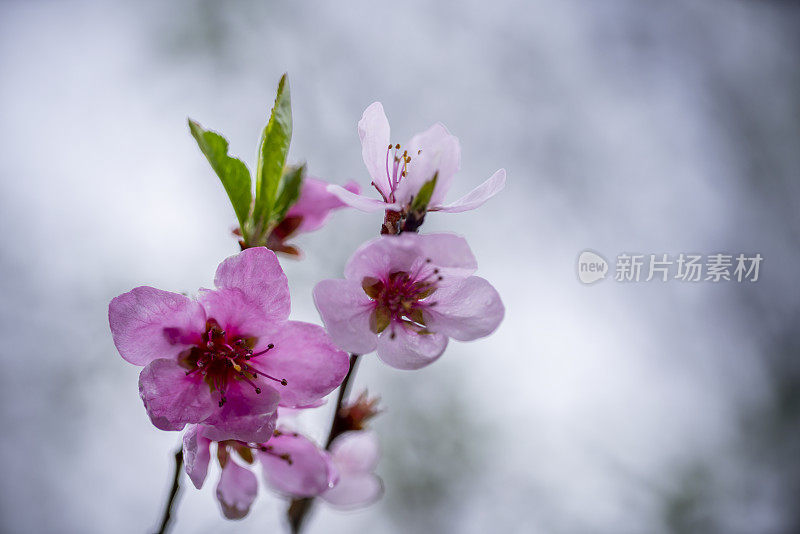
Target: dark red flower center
401, 298
221, 359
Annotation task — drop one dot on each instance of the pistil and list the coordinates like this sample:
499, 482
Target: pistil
220, 358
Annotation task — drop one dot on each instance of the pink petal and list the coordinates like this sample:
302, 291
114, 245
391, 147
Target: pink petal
236, 491
196, 454
409, 252
307, 359
434, 150
236, 313
373, 130
171, 398
477, 196
256, 273
402, 348
469, 310
249, 428
316, 203
356, 452
355, 455
345, 310
310, 472
147, 323
354, 490
360, 202
246, 415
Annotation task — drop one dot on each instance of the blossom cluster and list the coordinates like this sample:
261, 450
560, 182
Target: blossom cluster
221, 366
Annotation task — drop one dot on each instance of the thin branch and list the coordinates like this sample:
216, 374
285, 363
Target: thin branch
173, 494
300, 508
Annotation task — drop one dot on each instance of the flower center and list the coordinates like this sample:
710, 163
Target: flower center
220, 359
400, 298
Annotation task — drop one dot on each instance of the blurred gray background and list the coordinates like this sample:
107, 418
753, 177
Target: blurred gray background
638, 126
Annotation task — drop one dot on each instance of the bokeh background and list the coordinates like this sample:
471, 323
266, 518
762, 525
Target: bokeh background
627, 125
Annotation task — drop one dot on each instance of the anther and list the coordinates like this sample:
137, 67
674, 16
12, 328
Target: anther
397, 146
269, 347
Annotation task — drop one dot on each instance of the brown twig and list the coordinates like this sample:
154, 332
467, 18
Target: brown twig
173, 494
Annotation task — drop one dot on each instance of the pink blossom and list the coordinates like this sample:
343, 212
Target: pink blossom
295, 466
238, 486
355, 455
316, 203
398, 173
308, 214
405, 295
230, 357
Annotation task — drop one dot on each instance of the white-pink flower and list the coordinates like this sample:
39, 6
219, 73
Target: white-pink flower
355, 456
344, 476
399, 171
405, 295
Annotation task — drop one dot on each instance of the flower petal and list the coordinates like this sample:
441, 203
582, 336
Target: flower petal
477, 196
360, 202
434, 150
196, 454
466, 311
236, 491
354, 490
306, 473
236, 313
147, 323
401, 347
258, 275
172, 398
356, 451
373, 130
307, 359
345, 309
245, 416
316, 203
408, 252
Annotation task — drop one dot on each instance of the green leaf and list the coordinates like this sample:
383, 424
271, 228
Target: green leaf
272, 156
231, 171
420, 202
291, 184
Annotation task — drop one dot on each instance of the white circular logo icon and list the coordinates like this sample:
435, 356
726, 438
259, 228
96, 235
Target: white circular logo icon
591, 267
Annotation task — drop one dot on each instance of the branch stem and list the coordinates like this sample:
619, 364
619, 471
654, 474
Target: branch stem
173, 493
